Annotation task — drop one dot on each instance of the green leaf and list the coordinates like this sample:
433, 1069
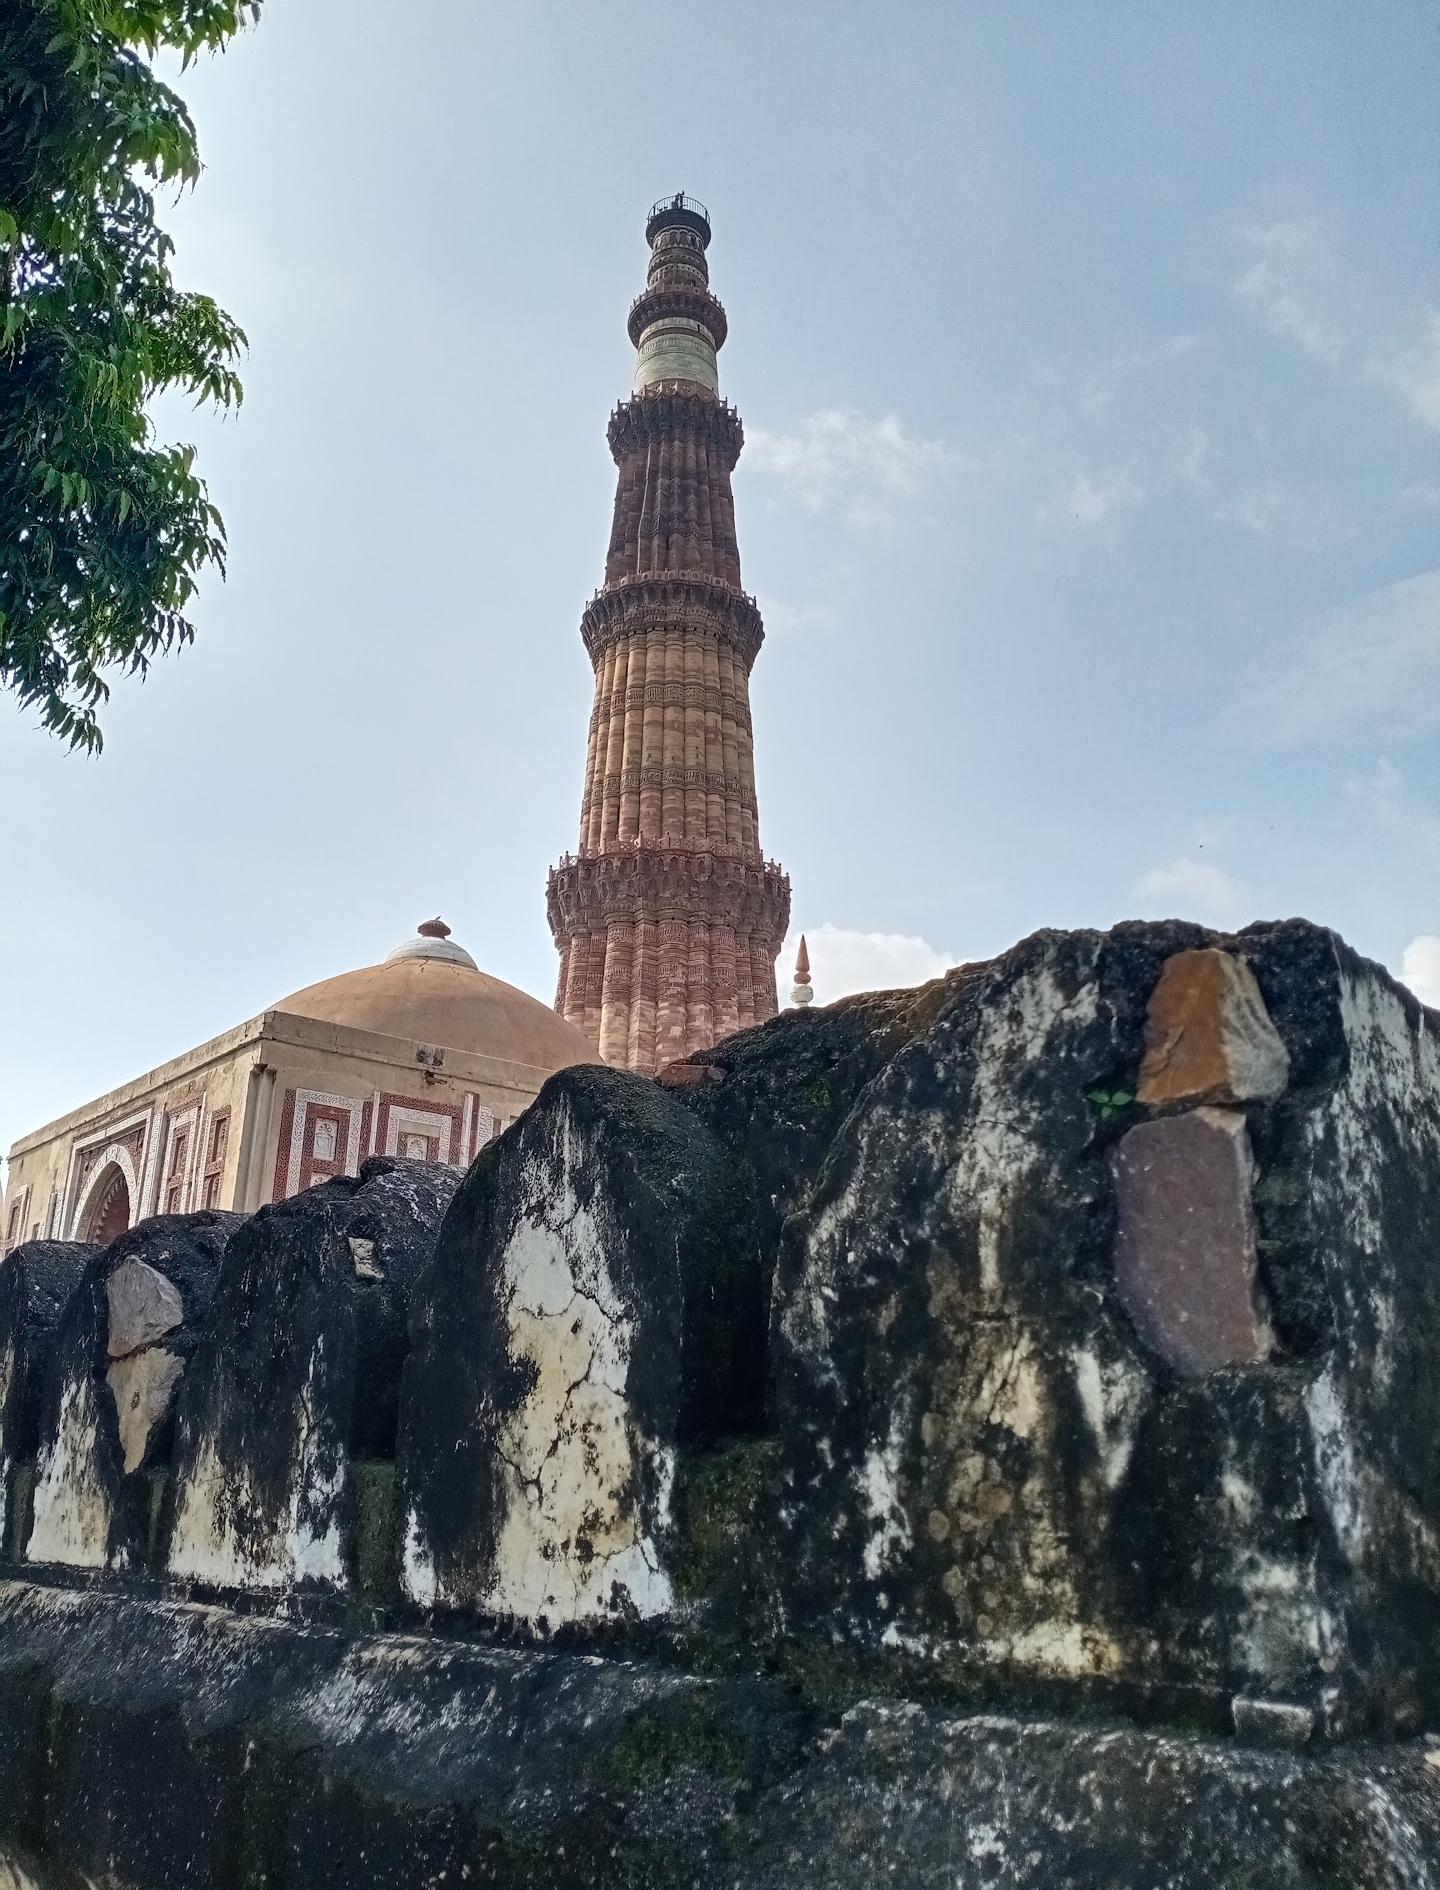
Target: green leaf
107, 530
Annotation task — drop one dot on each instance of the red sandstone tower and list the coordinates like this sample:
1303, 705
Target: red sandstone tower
668, 918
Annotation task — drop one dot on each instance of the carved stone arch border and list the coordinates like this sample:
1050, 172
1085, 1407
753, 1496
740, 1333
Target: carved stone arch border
113, 1156
137, 1128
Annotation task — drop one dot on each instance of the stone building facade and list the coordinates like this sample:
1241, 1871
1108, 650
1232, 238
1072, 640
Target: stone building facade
667, 917
423, 1055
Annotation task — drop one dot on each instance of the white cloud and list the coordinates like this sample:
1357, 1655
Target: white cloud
1371, 666
1414, 373
1420, 968
1295, 239
1101, 387
1257, 511
1273, 286
1190, 459
839, 455
1094, 497
1384, 794
843, 961
1187, 888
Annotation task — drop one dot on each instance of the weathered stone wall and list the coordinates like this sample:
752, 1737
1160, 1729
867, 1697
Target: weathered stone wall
940, 1439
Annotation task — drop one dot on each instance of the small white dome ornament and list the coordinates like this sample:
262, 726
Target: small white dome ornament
432, 940
802, 992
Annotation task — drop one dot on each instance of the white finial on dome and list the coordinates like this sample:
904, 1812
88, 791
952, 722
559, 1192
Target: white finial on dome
432, 940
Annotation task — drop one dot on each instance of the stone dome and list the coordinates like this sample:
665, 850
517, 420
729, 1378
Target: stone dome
430, 990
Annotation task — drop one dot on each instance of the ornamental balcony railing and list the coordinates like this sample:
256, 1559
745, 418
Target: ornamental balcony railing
635, 580
684, 301
667, 843
677, 209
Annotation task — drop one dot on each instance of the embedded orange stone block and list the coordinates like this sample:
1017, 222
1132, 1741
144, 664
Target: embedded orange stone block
1185, 1255
1208, 1036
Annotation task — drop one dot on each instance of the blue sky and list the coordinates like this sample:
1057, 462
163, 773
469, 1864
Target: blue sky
1089, 357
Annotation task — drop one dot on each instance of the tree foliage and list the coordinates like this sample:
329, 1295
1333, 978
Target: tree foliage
103, 528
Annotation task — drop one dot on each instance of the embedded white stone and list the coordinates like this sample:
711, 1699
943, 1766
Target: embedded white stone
143, 1305
142, 1386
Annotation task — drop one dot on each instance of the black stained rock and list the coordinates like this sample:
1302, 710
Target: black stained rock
108, 1409
152, 1746
594, 1307
298, 1378
1008, 1441
35, 1281
986, 1470
776, 1095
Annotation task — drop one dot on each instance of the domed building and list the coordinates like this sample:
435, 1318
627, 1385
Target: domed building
423, 1055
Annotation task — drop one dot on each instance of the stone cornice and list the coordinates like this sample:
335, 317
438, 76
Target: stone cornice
664, 880
673, 408
677, 600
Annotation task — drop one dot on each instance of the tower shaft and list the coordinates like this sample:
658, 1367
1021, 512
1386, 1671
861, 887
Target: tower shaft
667, 917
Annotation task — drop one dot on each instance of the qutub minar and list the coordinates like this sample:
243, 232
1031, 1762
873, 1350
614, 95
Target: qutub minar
668, 918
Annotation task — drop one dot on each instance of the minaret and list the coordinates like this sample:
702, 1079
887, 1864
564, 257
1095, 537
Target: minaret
668, 918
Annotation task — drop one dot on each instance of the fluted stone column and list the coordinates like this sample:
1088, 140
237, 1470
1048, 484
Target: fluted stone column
668, 918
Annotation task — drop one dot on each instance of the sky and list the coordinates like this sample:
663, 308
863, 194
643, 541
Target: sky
1089, 362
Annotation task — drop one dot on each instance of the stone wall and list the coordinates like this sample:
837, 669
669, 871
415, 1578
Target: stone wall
977, 1435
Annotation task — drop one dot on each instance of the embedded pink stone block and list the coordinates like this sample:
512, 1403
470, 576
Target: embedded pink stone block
1185, 1245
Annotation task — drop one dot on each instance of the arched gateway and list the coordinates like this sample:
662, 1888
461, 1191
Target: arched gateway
108, 1210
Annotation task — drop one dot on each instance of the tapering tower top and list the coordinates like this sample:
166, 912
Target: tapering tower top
676, 324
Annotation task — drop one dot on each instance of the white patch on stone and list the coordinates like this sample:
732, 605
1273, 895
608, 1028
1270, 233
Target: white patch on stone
1407, 1853
996, 1150
362, 1254
14, 1876
1062, 1648
879, 1484
206, 1547
1241, 1498
574, 1530
417, 1569
1336, 1466
72, 1511
1112, 1395
7, 1375
142, 1386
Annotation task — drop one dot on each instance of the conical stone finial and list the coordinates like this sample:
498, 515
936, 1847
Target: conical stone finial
802, 992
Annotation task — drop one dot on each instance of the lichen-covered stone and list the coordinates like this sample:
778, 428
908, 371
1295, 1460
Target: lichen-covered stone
35, 1281
1185, 1254
1272, 1722
985, 1471
977, 1456
148, 1745
91, 1508
594, 1307
299, 1376
776, 1096
1208, 1036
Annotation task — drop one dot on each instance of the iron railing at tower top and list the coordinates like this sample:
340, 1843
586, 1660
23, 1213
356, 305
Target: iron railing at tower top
677, 209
